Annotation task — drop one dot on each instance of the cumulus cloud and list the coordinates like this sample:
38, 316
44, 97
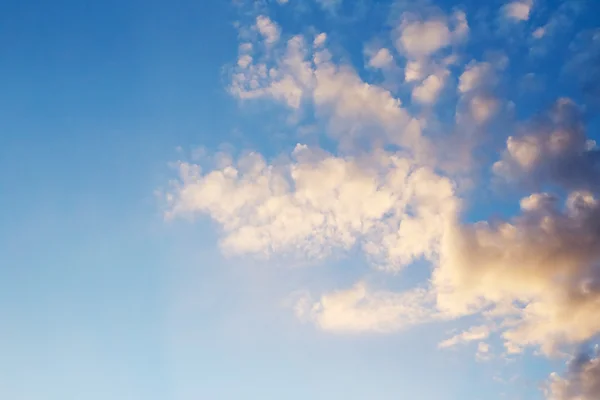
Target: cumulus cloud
381, 58
420, 37
553, 148
534, 277
545, 261
352, 108
582, 381
517, 10
288, 80
268, 29
476, 87
320, 39
413, 71
394, 210
429, 90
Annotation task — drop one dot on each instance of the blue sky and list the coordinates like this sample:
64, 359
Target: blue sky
259, 200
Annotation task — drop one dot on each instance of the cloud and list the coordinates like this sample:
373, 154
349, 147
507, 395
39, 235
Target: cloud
553, 148
381, 188
268, 29
351, 107
517, 10
475, 333
391, 208
359, 309
475, 76
423, 38
413, 71
545, 261
320, 40
381, 59
581, 383
419, 38
476, 86
428, 91
289, 79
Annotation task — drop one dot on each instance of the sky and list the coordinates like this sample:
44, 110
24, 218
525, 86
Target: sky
300, 199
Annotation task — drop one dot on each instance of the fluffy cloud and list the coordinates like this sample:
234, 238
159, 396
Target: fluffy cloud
419, 38
555, 149
422, 38
381, 58
351, 107
534, 278
544, 261
581, 383
359, 309
428, 91
476, 75
318, 203
517, 10
355, 108
268, 29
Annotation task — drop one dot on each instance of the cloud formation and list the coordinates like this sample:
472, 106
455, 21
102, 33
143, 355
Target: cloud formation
553, 148
517, 10
582, 381
532, 279
392, 209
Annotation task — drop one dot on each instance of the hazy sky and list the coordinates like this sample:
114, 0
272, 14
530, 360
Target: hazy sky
299, 199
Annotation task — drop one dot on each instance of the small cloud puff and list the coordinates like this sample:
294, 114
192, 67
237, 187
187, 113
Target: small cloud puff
517, 10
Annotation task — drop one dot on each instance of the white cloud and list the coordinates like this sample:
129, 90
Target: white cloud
475, 76
244, 60
381, 59
355, 108
517, 10
319, 203
320, 40
475, 333
428, 91
268, 29
289, 80
359, 310
420, 38
423, 38
482, 108
413, 71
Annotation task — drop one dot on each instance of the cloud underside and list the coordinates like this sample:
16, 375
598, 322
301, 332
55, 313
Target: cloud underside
533, 279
